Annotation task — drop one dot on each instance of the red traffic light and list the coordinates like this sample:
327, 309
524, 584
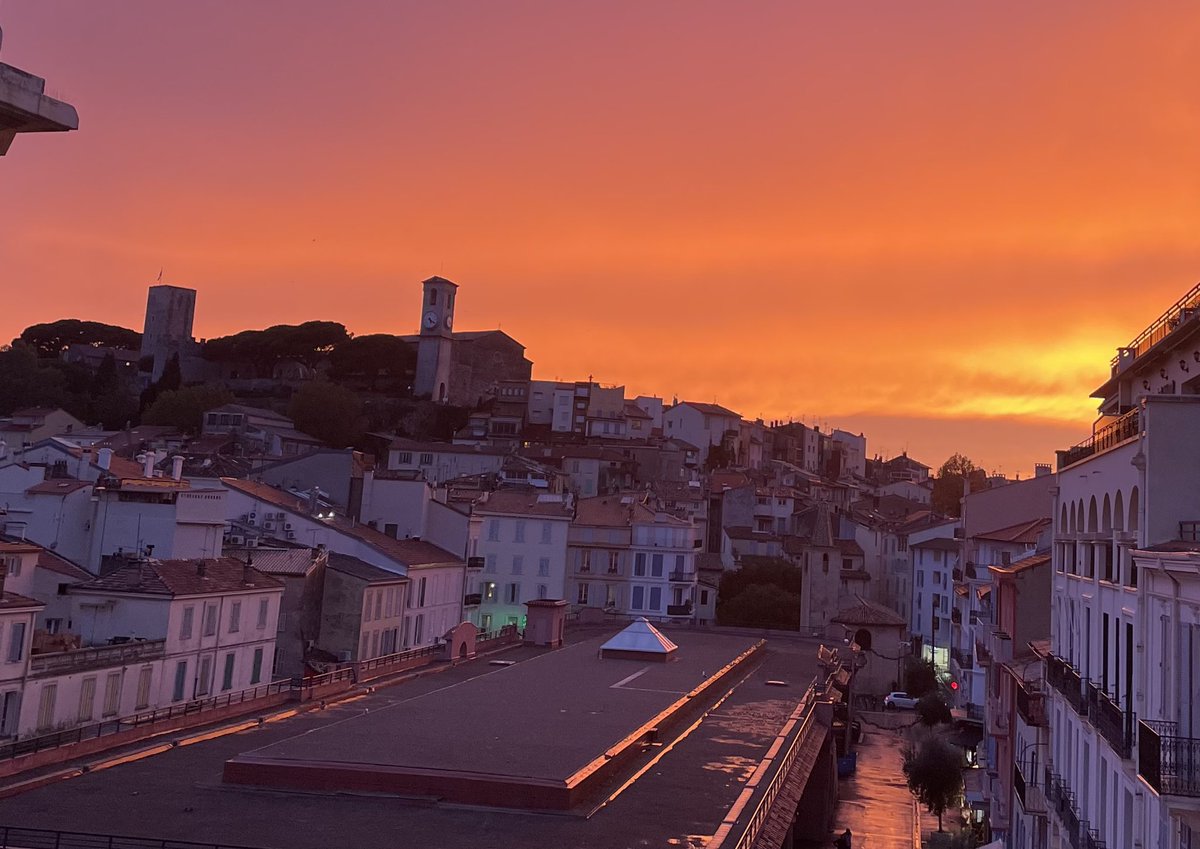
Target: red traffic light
953, 685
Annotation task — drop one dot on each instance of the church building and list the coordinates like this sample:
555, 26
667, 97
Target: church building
457, 367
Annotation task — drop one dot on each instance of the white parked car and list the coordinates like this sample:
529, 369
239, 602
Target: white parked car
894, 701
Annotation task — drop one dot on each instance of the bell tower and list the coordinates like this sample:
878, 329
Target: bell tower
436, 344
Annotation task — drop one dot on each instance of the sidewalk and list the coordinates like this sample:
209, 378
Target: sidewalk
875, 803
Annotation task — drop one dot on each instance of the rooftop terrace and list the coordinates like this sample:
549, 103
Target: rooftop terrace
674, 795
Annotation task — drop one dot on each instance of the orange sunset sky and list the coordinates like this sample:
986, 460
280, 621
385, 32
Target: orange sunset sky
930, 221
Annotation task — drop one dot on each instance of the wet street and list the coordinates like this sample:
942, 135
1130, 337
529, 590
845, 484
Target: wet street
875, 803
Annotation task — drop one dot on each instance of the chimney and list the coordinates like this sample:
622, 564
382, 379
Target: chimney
3, 575
201, 568
248, 569
104, 459
148, 464
177, 467
313, 500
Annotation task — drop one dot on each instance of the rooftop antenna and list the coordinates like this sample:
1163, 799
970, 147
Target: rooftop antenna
160, 271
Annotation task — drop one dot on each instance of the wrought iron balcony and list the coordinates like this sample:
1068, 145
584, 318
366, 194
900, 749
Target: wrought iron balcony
1114, 724
1032, 796
472, 599
682, 576
1063, 677
1031, 705
1126, 427
1169, 763
475, 562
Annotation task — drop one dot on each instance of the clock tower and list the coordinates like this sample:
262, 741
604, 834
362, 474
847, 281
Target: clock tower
436, 344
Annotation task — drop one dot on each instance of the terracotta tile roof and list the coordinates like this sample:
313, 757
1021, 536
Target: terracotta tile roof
633, 411
938, 544
57, 487
12, 601
710, 409
512, 502
180, 578
850, 548
603, 510
14, 547
866, 612
412, 445
267, 493
348, 565
1177, 546
1025, 532
50, 561
1022, 565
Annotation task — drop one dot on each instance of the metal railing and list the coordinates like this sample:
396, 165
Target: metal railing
16, 837
1125, 427
62, 661
1031, 705
762, 810
1161, 327
1114, 724
395, 657
32, 745
1169, 763
1061, 800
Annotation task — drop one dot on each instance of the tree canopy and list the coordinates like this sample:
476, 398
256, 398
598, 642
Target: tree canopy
371, 357
764, 592
919, 678
331, 413
933, 710
306, 343
184, 408
948, 484
933, 768
52, 338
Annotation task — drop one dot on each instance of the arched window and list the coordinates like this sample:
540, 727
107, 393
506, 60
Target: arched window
1063, 527
1106, 515
1093, 522
1133, 509
1119, 512
863, 637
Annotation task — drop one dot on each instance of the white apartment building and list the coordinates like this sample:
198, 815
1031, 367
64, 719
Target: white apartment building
702, 425
87, 521
934, 563
522, 540
629, 559
18, 611
437, 576
854, 452
149, 634
1123, 640
439, 462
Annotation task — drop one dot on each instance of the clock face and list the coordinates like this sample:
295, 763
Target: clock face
449, 321
431, 319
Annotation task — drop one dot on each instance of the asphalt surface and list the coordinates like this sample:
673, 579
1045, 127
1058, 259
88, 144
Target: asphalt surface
679, 799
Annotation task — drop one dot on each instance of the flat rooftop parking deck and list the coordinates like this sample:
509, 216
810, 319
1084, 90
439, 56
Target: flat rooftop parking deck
675, 796
540, 734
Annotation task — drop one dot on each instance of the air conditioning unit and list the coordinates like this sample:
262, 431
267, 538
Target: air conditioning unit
291, 534
251, 542
344, 657
236, 539
279, 516
251, 517
270, 526
288, 526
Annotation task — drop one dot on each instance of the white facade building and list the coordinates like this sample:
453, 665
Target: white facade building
522, 540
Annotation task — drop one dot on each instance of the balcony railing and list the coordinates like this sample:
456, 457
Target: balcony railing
1169, 763
93, 658
1061, 800
475, 562
682, 576
1160, 328
1033, 797
472, 599
965, 660
1126, 427
1114, 724
1031, 705
1063, 677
